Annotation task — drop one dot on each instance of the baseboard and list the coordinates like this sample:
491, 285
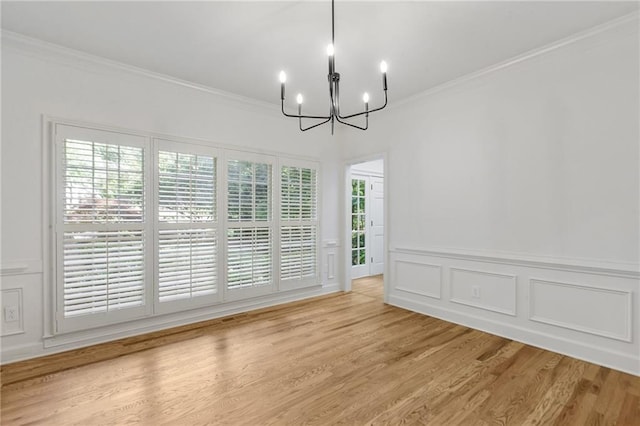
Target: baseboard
22, 352
598, 355
61, 343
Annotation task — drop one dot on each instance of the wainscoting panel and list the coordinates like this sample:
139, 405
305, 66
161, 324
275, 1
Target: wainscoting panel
331, 266
584, 309
485, 290
329, 253
12, 312
419, 278
600, 311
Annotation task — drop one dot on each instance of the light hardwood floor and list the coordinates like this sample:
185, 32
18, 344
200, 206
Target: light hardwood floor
344, 358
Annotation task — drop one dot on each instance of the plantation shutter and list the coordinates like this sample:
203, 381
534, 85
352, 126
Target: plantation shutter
101, 227
249, 257
187, 234
103, 271
249, 226
298, 226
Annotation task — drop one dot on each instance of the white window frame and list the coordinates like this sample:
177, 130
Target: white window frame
292, 284
245, 293
62, 132
181, 146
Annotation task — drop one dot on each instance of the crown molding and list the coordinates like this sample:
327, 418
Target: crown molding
76, 58
34, 45
538, 51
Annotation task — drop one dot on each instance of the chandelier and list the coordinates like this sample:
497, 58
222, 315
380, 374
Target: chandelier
334, 93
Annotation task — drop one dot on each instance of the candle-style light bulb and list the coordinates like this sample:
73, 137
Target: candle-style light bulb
299, 98
365, 98
330, 49
383, 70
283, 78
330, 52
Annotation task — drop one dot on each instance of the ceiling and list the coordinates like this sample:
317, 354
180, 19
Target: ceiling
240, 47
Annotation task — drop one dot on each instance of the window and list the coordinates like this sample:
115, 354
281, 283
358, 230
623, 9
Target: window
102, 238
143, 226
298, 226
358, 222
187, 231
249, 225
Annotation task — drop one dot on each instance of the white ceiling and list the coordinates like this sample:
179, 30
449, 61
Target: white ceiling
240, 47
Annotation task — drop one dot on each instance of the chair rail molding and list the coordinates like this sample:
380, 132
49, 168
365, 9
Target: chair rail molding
590, 266
21, 267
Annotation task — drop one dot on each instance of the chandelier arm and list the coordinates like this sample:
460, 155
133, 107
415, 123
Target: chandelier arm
315, 117
336, 93
353, 125
366, 112
315, 125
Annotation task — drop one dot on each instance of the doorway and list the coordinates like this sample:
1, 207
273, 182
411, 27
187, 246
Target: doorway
367, 219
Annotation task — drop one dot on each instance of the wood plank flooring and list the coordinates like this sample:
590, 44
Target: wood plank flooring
338, 359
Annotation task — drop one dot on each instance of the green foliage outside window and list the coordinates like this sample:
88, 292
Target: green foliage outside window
103, 182
358, 222
248, 196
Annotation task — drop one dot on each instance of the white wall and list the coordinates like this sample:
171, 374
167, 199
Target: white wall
38, 79
519, 185
375, 167
524, 173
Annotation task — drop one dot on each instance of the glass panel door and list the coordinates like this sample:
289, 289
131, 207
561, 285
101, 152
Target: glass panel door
359, 261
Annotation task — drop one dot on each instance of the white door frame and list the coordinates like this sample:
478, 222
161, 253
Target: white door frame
373, 229
346, 220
